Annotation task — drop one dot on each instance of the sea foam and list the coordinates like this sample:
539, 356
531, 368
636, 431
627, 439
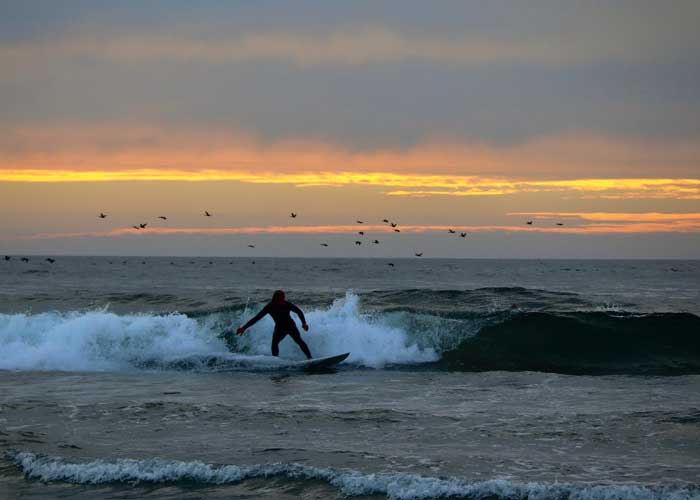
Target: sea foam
399, 486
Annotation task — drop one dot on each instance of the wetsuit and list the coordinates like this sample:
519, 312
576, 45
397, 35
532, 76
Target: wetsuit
284, 324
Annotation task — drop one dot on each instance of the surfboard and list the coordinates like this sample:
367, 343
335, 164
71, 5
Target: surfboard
321, 363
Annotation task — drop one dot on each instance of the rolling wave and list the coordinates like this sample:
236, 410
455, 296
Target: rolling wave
412, 335
399, 486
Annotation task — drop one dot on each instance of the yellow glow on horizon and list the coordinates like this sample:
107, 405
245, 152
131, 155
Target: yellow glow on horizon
417, 185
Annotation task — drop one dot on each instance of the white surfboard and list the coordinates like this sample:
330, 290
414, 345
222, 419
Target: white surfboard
320, 363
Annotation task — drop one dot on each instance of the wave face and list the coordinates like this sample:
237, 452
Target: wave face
398, 486
405, 329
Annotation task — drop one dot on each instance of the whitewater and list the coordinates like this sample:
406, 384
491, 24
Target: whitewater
466, 379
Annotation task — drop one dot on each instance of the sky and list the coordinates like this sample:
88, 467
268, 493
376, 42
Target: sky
582, 117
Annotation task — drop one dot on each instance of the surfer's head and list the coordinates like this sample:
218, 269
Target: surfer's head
278, 297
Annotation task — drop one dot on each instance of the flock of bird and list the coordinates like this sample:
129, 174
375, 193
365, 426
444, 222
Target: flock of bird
293, 215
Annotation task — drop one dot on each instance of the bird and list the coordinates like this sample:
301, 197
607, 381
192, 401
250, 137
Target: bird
529, 223
162, 217
385, 220
251, 246
420, 254
143, 226
397, 230
359, 222
207, 213
136, 227
361, 233
560, 223
463, 235
358, 243
394, 224
376, 242
102, 216
390, 264
7, 257
293, 215
324, 244
50, 260
451, 231
24, 259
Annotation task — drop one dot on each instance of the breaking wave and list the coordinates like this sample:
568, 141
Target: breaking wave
399, 486
382, 334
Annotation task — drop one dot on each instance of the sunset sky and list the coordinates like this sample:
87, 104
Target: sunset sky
472, 116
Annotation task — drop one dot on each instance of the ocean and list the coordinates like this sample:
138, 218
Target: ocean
480, 379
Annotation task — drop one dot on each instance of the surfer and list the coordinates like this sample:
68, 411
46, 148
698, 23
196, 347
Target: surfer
279, 309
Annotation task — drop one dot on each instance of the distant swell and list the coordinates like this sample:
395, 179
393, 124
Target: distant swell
375, 330
397, 486
584, 343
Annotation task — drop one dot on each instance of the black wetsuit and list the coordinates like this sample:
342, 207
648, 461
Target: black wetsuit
284, 324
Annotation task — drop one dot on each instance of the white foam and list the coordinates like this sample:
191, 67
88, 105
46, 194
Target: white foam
104, 341
394, 485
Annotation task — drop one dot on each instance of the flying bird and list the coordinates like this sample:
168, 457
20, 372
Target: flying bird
358, 243
394, 224
463, 235
102, 216
529, 223
207, 213
376, 242
560, 223
136, 227
390, 264
324, 244
143, 226
24, 259
162, 217
397, 230
7, 257
251, 246
361, 233
419, 254
385, 220
50, 260
293, 215
451, 231
359, 222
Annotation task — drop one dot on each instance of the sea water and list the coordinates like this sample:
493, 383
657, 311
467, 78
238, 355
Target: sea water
467, 378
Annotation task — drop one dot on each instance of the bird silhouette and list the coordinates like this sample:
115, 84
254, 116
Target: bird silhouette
385, 220
359, 222
394, 224
361, 233
376, 242
143, 226
251, 246
397, 230
24, 259
451, 231
419, 254
324, 244
358, 243
136, 227
390, 264
293, 215
463, 235
50, 260
560, 223
207, 213
162, 217
102, 216
7, 257
529, 223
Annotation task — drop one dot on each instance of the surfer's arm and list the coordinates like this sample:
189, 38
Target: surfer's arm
254, 319
298, 312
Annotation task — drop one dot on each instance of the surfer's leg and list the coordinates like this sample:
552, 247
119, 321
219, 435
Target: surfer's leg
294, 333
277, 337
